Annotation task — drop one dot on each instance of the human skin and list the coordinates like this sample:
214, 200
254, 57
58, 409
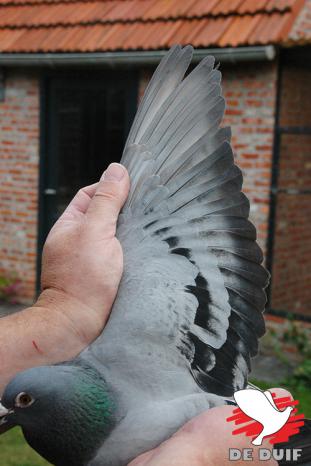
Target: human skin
78, 290
81, 269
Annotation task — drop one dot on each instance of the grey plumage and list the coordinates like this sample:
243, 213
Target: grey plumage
188, 312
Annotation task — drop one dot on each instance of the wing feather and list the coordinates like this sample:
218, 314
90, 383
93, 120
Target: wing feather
187, 218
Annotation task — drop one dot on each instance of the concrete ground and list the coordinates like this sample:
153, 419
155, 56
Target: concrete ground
269, 368
6, 308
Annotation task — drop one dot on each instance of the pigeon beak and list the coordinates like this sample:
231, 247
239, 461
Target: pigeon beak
3, 411
4, 424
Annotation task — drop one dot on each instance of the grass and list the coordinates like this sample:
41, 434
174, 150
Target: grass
16, 452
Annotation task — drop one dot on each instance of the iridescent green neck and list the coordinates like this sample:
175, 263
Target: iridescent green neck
97, 403
82, 417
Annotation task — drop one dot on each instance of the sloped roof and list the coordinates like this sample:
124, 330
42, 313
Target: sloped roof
111, 25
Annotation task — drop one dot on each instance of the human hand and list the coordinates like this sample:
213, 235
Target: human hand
81, 270
205, 441
82, 259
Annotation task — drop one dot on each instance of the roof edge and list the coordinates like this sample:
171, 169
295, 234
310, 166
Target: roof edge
133, 58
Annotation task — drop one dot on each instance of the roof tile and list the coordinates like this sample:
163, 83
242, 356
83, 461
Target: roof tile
239, 30
100, 25
202, 7
212, 31
249, 6
225, 7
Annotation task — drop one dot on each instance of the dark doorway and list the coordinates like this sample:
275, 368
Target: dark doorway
290, 222
84, 124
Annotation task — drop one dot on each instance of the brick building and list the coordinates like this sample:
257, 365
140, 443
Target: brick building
71, 72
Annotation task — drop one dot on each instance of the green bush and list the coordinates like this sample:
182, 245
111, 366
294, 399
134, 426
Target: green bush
300, 340
9, 287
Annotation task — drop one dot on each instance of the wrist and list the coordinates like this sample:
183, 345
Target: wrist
55, 329
79, 321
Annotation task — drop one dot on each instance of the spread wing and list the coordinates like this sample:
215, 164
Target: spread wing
192, 264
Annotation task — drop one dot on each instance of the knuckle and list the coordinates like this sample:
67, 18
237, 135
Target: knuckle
82, 193
281, 392
107, 195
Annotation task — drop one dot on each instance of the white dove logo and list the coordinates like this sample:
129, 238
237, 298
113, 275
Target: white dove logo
260, 406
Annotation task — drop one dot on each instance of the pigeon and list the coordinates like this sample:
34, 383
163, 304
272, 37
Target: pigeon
260, 406
188, 313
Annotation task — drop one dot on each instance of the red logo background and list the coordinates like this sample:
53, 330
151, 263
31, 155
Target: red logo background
252, 428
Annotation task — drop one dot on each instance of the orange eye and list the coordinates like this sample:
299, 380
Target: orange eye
23, 400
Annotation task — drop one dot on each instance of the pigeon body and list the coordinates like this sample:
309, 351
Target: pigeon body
188, 313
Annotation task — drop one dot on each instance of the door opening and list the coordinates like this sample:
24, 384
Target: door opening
84, 124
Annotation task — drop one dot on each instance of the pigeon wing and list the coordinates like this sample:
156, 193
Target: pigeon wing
192, 265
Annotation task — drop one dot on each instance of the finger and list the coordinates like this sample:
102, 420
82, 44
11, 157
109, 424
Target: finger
281, 393
110, 195
80, 202
76, 209
142, 459
213, 425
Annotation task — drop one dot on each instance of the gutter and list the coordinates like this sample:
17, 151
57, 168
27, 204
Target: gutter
133, 58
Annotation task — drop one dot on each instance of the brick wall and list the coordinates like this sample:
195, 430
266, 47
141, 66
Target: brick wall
19, 158
291, 285
250, 92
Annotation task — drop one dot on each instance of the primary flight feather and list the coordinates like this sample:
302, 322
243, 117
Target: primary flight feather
188, 313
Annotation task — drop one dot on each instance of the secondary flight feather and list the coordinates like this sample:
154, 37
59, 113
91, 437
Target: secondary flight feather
188, 313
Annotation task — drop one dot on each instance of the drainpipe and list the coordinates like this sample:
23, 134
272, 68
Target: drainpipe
133, 58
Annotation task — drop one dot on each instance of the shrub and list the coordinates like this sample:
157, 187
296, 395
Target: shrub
9, 287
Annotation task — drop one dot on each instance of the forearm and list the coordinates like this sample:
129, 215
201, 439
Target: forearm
48, 332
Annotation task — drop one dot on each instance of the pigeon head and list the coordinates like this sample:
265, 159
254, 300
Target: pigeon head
65, 411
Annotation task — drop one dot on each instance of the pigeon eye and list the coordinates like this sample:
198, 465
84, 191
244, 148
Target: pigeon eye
23, 400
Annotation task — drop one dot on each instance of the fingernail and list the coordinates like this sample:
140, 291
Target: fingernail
114, 172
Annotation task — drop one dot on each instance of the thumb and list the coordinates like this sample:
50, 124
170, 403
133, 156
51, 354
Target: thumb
108, 200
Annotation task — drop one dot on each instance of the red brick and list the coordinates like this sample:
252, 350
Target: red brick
249, 156
232, 111
19, 158
292, 253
